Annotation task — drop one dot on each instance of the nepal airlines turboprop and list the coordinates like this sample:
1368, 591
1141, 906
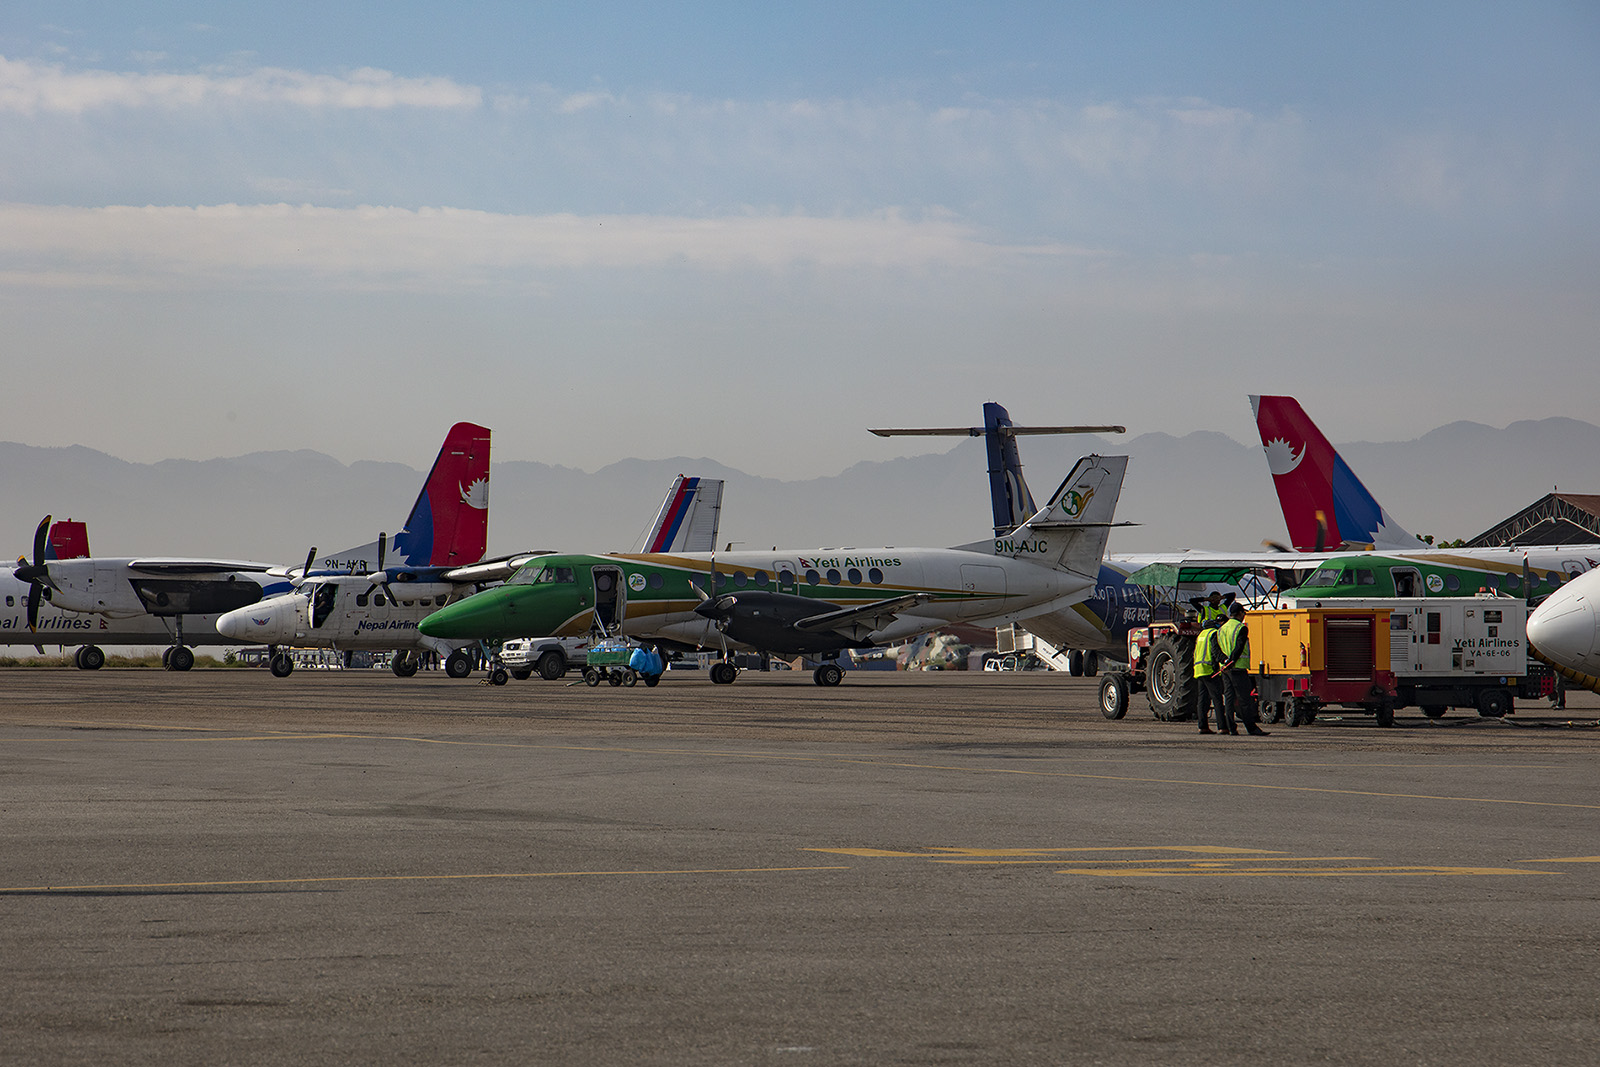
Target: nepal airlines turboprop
809, 601
381, 610
1314, 482
153, 598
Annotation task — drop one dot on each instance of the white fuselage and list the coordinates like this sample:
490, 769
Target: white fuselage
341, 613
1565, 628
65, 628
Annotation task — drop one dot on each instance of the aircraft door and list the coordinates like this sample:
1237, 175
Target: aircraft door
786, 571
323, 599
1407, 581
610, 598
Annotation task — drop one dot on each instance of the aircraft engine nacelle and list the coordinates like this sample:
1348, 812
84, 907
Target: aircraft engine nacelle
767, 621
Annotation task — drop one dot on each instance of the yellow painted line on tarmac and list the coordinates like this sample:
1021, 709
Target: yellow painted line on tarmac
249, 882
1292, 872
1568, 859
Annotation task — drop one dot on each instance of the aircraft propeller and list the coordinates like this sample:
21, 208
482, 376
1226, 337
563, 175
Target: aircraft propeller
1322, 538
36, 574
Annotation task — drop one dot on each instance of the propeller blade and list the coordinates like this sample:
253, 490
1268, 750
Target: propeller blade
1276, 546
305, 571
41, 540
698, 592
34, 592
1322, 532
383, 545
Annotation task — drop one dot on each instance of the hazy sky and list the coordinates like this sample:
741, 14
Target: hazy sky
749, 231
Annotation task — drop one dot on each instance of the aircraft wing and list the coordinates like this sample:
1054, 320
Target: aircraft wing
196, 566
859, 622
491, 570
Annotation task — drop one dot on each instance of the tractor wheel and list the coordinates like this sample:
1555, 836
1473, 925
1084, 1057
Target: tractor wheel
1169, 678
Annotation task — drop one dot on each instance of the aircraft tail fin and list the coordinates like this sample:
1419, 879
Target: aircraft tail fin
1009, 497
1312, 479
1070, 531
69, 539
449, 524
688, 518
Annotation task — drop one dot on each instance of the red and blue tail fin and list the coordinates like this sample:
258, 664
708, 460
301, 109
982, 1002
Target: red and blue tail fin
688, 518
1315, 485
449, 524
69, 539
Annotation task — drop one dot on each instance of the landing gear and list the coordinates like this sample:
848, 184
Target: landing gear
723, 672
829, 674
1075, 662
281, 664
89, 658
404, 664
457, 665
177, 658
499, 676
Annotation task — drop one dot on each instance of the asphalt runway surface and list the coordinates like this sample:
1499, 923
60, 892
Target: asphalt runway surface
348, 867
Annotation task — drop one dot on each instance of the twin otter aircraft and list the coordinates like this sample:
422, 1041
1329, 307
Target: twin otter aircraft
809, 601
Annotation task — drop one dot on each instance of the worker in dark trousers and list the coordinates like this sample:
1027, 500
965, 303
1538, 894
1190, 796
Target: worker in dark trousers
1233, 649
1208, 680
1212, 610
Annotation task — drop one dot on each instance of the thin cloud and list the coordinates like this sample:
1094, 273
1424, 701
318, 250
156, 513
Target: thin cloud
30, 88
369, 246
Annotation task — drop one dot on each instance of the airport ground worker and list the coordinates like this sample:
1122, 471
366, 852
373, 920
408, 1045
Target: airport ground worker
1233, 647
1212, 610
1208, 681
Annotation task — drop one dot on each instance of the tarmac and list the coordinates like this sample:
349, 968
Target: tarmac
348, 867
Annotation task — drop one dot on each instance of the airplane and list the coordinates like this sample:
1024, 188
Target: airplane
1314, 483
1564, 631
144, 600
381, 610
817, 602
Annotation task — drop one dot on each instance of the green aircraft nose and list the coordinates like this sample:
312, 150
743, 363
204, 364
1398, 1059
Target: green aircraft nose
480, 615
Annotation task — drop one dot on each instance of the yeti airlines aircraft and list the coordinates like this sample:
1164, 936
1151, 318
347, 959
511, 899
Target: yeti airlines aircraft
809, 601
148, 600
381, 610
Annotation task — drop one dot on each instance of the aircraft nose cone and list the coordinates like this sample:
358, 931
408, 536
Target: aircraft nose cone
1563, 628
237, 624
478, 616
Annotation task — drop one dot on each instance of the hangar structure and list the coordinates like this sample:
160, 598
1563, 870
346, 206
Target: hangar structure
1555, 519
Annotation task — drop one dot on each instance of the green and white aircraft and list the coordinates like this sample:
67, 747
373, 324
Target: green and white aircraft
817, 602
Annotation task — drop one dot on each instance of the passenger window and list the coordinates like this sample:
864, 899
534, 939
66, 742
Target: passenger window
1452, 582
854, 576
875, 576
813, 578
761, 579
739, 579
361, 600
379, 601
656, 581
11, 601
833, 576
425, 601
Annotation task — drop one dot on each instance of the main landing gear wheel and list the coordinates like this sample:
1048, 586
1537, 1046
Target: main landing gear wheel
828, 674
179, 658
166, 658
1114, 695
457, 665
723, 673
550, 666
90, 658
281, 665
404, 665
1075, 662
499, 676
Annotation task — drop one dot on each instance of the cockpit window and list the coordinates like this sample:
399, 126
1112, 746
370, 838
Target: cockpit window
1323, 577
544, 576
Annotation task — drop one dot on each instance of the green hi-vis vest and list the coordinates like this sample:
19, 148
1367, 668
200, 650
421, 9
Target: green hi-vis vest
1232, 637
1205, 653
1207, 613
